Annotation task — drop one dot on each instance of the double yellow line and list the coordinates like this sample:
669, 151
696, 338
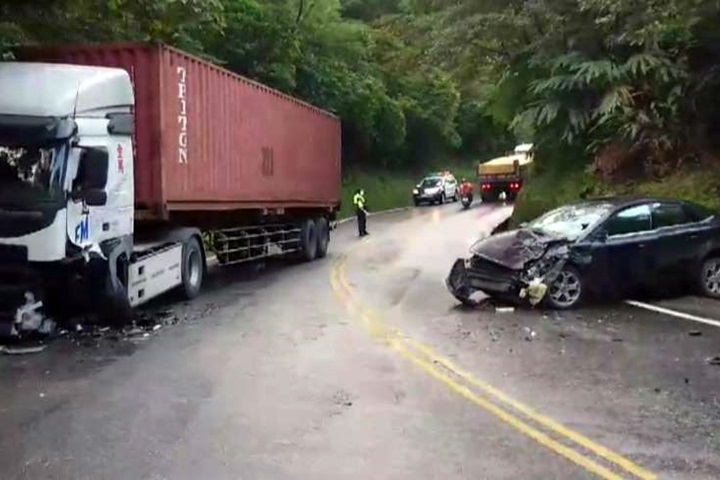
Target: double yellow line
547, 432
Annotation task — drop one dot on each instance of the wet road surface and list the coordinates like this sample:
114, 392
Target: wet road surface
363, 366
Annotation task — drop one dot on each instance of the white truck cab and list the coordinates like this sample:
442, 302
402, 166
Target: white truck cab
67, 195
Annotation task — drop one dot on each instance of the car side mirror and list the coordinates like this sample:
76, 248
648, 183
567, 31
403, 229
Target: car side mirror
601, 235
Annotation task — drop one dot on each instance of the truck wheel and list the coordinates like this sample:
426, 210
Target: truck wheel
193, 269
115, 309
308, 241
323, 237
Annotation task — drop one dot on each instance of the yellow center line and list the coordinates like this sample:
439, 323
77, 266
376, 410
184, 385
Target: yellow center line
395, 338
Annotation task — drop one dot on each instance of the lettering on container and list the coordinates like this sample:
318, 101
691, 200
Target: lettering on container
120, 160
182, 116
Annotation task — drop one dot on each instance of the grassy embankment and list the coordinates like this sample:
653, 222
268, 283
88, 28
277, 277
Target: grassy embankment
549, 190
387, 190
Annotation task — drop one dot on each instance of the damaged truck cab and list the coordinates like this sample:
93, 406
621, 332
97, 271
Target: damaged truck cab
66, 184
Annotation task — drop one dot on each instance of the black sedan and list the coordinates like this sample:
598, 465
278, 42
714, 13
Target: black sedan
610, 247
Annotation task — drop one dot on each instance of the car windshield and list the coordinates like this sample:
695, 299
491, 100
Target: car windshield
570, 221
430, 182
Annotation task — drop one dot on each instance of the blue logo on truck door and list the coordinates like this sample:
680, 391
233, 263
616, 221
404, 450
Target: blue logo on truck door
82, 231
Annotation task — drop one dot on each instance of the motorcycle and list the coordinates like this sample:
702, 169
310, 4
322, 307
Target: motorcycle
466, 194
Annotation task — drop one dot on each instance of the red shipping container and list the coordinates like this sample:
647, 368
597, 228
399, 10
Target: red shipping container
208, 139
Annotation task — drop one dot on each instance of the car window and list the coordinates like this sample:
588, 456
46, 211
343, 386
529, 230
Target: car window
697, 213
631, 220
667, 214
571, 221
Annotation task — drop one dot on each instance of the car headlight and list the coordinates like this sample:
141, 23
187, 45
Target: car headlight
415, 191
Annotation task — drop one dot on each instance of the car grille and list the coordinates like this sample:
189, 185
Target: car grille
487, 269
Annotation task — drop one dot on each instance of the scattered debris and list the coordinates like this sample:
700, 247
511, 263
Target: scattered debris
687, 380
713, 360
617, 339
504, 309
8, 350
530, 334
695, 333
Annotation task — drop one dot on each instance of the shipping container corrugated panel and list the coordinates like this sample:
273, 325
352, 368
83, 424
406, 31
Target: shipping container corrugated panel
208, 139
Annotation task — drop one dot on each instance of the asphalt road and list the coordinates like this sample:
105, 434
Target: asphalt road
363, 366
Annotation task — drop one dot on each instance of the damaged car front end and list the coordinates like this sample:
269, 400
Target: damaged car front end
514, 266
539, 261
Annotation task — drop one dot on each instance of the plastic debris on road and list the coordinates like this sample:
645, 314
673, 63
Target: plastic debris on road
504, 309
713, 360
7, 350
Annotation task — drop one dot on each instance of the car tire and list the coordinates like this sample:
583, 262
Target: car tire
709, 277
442, 199
567, 290
323, 237
416, 202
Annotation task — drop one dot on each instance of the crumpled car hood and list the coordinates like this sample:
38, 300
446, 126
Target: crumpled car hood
515, 248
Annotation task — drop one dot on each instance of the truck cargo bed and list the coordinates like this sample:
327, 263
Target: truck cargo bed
208, 139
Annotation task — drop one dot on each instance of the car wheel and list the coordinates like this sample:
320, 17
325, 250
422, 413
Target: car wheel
710, 277
442, 199
566, 291
416, 202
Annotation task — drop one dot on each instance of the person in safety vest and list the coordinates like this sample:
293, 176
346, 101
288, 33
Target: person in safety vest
360, 212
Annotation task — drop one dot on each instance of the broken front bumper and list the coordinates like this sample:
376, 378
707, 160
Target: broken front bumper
468, 276
465, 279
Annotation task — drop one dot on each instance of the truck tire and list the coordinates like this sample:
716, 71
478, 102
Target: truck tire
115, 309
323, 237
308, 241
193, 269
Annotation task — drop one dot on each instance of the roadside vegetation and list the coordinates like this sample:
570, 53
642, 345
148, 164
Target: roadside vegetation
618, 96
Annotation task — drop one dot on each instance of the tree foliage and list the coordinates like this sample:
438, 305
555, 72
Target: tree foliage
398, 109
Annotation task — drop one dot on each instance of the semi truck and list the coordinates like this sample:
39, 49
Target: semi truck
504, 174
124, 167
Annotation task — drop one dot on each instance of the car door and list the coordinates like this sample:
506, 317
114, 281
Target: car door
451, 187
623, 258
679, 241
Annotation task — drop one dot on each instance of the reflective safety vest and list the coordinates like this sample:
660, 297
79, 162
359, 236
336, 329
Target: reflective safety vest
359, 201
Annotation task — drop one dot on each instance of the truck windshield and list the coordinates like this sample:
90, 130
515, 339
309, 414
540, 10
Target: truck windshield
32, 173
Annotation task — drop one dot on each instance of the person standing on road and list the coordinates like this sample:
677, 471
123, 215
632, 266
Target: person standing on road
360, 212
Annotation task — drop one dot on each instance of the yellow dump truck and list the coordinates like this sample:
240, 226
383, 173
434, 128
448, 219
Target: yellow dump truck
504, 174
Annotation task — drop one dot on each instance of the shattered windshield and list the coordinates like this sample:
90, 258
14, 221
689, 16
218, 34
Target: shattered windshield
31, 173
430, 183
570, 221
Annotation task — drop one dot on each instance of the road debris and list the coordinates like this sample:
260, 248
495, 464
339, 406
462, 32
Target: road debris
504, 309
530, 334
695, 333
8, 350
713, 360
